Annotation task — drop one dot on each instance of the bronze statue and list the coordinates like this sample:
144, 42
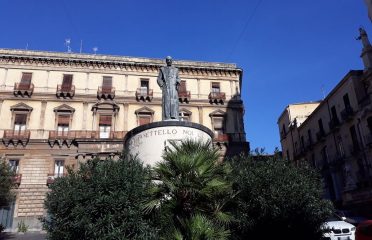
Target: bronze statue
169, 82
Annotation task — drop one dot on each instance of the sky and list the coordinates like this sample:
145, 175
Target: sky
291, 51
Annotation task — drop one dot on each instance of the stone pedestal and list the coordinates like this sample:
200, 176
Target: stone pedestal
149, 141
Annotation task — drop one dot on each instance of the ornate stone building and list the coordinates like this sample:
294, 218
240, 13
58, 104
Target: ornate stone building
335, 136
60, 109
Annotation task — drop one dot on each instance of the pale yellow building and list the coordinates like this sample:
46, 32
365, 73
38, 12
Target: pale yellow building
60, 109
335, 136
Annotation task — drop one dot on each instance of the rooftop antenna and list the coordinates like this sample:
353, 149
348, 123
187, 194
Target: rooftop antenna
323, 92
67, 43
95, 49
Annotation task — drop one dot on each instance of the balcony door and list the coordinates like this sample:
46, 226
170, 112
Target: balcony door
63, 125
58, 168
20, 123
105, 122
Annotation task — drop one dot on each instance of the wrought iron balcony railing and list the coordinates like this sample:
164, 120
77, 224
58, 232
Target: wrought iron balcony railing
217, 96
184, 96
65, 91
144, 94
347, 114
23, 89
106, 92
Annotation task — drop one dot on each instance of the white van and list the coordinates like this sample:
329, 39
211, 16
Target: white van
338, 230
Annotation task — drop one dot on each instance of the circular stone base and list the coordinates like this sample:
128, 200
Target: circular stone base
149, 141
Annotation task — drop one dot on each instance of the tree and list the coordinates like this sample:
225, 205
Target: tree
190, 193
6, 184
102, 200
277, 200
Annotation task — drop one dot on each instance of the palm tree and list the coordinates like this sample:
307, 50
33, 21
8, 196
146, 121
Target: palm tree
190, 192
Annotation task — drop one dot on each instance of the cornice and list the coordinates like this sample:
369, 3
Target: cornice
119, 63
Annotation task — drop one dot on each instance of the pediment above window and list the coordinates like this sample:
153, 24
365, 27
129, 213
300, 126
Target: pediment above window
21, 107
64, 108
106, 106
186, 111
144, 110
217, 112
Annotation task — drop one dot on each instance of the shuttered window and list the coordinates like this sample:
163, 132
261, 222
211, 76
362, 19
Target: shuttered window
25, 81
67, 82
105, 120
215, 87
63, 119
182, 86
106, 84
144, 119
20, 119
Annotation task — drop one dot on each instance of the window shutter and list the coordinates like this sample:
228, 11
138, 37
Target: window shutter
144, 120
25, 81
63, 119
105, 120
183, 86
20, 119
67, 81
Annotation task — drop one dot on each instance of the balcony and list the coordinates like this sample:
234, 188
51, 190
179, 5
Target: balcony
69, 137
347, 114
16, 136
52, 177
65, 91
221, 138
106, 93
320, 135
217, 97
23, 89
334, 124
144, 94
184, 96
17, 179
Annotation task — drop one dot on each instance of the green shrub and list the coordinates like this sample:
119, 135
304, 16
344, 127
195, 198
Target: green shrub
22, 227
277, 200
102, 200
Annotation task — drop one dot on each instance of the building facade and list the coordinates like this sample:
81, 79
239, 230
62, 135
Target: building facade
60, 109
335, 136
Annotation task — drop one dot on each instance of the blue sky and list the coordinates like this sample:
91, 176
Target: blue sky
289, 50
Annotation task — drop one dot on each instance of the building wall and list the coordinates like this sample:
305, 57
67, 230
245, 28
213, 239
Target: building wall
38, 152
342, 157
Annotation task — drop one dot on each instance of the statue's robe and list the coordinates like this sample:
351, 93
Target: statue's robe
169, 81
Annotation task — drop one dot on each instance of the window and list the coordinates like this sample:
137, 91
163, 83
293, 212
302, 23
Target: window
346, 100
320, 123
63, 122
184, 116
67, 82
182, 88
144, 86
310, 137
25, 81
215, 87
14, 165
334, 113
218, 126
302, 142
105, 126
144, 115
106, 84
20, 122
58, 168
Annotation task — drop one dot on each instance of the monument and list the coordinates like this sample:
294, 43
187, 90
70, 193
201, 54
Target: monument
149, 141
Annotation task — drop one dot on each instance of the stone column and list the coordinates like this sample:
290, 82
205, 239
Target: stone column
125, 82
200, 110
125, 110
87, 83
198, 87
42, 119
85, 109
47, 81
